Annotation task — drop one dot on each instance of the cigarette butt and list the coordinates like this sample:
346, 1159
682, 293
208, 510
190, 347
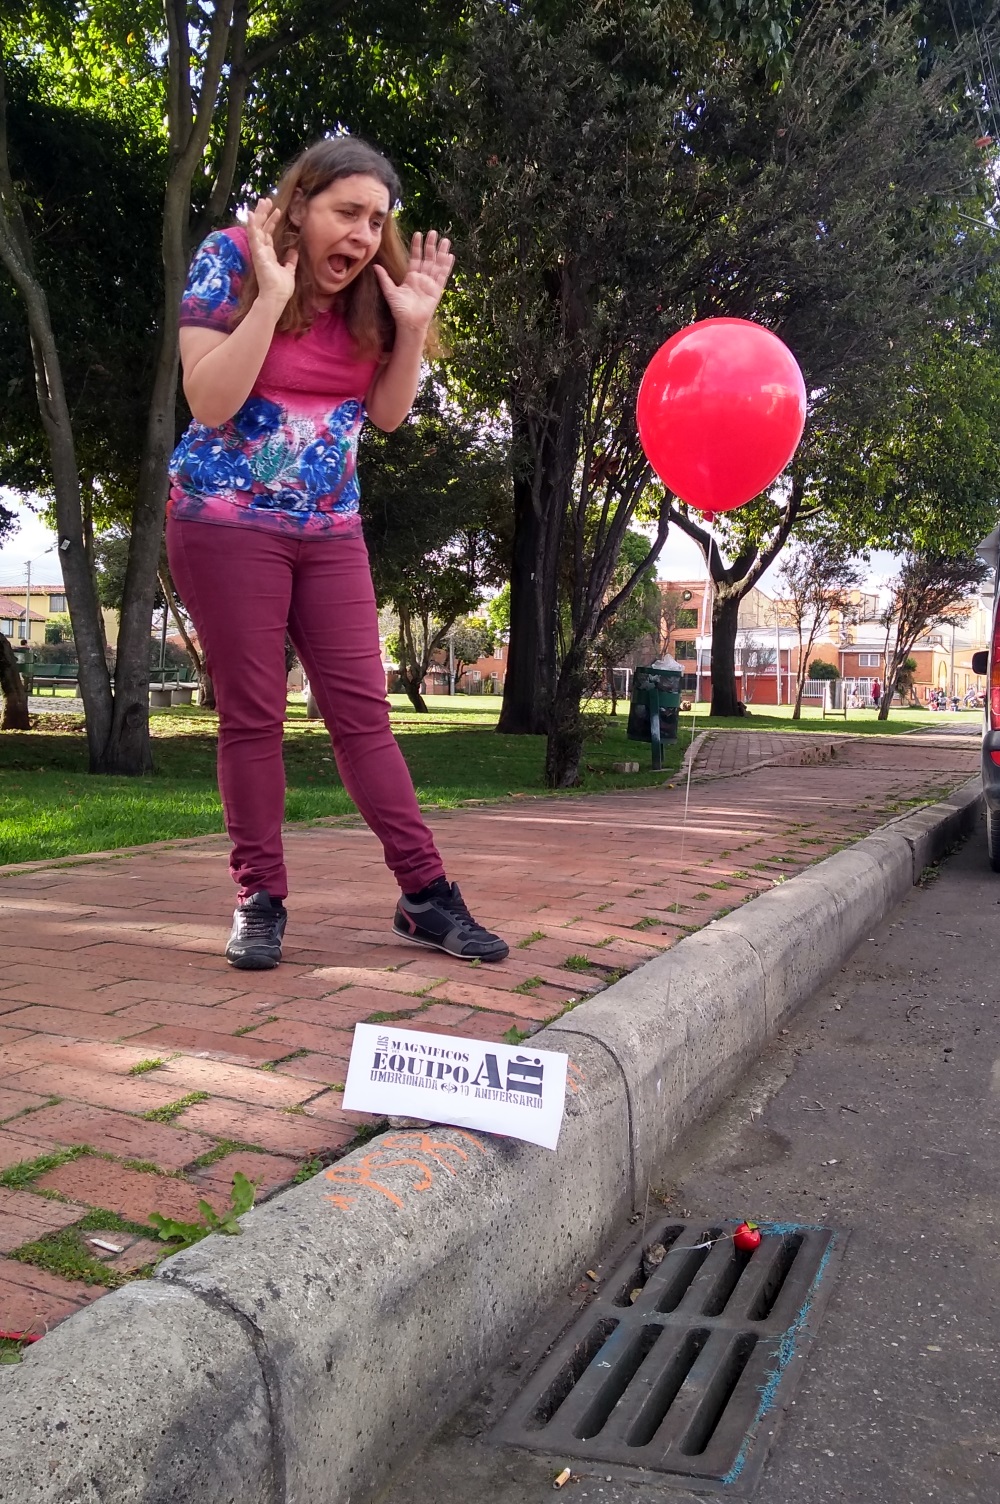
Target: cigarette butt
562, 1479
107, 1247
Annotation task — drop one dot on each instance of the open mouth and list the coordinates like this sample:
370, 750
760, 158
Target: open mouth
340, 265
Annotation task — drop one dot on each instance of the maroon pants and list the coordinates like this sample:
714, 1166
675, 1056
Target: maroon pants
244, 589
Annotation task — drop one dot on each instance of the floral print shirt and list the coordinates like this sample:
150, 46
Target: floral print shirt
287, 461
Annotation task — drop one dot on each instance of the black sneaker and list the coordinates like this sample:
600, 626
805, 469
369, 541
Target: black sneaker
438, 917
258, 925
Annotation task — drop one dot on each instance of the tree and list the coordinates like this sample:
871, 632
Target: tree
929, 591
428, 599
638, 617
59, 628
470, 638
564, 121
498, 611
905, 680
846, 182
754, 659
436, 507
183, 82
817, 580
818, 205
819, 669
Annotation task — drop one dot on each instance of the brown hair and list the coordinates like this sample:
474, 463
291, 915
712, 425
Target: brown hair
366, 312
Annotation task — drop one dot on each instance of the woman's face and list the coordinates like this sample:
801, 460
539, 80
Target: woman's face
340, 230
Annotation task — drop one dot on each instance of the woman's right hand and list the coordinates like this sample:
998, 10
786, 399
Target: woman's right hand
275, 279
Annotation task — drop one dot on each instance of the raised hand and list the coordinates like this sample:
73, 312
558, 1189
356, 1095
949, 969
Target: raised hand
275, 279
413, 301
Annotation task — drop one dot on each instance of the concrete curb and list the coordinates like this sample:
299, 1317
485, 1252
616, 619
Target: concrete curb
298, 1363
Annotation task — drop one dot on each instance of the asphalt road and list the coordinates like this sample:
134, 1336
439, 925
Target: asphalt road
877, 1112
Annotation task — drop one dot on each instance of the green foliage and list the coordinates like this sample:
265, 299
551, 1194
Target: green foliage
498, 611
59, 628
20, 1176
307, 1171
172, 1110
184, 1234
433, 560
819, 669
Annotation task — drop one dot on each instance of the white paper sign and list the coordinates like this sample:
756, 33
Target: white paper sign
500, 1088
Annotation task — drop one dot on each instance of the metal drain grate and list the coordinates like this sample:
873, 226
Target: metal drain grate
681, 1368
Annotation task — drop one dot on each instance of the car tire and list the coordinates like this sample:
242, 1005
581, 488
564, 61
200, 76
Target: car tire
993, 838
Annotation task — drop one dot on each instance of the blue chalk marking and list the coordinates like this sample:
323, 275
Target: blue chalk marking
785, 1350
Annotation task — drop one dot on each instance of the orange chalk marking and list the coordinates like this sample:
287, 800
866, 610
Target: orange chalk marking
363, 1172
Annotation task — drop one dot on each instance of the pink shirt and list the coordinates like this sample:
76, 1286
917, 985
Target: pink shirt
287, 461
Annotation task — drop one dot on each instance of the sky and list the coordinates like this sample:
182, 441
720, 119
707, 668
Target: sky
681, 558
30, 540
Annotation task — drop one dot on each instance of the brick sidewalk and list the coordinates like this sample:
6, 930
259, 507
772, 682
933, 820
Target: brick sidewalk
138, 1072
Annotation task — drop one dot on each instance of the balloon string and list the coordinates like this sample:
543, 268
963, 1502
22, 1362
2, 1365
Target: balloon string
676, 907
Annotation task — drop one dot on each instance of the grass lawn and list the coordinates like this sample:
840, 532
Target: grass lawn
779, 718
50, 806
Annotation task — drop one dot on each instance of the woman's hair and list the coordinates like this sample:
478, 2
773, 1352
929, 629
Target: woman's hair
366, 312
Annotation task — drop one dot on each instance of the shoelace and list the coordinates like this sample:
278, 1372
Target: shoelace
256, 923
456, 905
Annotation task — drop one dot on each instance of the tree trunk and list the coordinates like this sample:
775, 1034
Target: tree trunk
206, 689
523, 712
725, 623
884, 703
411, 690
545, 449
15, 697
565, 740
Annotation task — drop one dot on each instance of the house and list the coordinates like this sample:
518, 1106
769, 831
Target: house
47, 601
12, 620
854, 641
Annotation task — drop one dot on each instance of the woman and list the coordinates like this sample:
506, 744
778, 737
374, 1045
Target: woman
292, 329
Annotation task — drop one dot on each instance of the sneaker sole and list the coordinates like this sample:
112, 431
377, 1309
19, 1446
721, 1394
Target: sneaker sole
254, 963
432, 945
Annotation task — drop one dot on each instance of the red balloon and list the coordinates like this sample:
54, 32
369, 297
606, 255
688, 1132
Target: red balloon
721, 410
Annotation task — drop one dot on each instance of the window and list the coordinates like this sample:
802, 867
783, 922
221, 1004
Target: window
7, 625
687, 616
869, 660
684, 648
57, 603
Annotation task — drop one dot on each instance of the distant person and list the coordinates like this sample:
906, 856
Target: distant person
293, 330
876, 693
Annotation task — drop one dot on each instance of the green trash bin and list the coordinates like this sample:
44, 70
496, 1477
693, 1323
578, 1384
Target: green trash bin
654, 707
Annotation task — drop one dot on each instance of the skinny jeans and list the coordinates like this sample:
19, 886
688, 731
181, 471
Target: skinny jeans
244, 588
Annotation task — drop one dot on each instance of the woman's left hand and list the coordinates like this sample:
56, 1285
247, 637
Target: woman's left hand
413, 301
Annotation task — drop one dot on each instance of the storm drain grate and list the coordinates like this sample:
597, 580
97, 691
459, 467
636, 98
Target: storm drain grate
682, 1363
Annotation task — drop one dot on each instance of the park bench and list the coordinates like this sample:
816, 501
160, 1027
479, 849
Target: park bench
51, 676
171, 686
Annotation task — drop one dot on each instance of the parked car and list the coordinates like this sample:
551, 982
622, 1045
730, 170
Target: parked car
987, 662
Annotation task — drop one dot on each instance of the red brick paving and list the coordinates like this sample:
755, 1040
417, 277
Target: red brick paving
111, 964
